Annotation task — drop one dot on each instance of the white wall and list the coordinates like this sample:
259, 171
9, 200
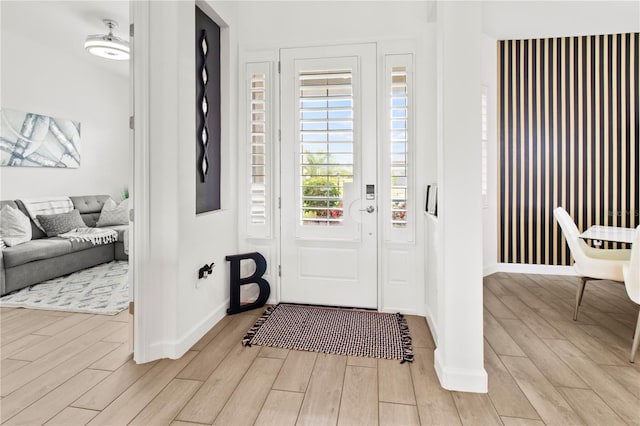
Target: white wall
173, 307
37, 77
459, 355
210, 236
287, 24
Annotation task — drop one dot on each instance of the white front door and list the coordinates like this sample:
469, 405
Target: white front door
328, 181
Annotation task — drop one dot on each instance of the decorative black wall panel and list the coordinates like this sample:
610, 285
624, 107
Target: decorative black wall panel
568, 131
207, 50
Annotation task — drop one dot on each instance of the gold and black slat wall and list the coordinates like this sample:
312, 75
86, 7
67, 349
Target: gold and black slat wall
568, 131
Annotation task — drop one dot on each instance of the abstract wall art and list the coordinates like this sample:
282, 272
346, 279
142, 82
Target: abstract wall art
34, 140
208, 113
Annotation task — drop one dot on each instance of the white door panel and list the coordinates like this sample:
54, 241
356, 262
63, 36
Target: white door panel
344, 263
328, 238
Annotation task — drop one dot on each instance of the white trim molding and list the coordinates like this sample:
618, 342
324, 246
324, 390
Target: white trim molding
139, 262
522, 268
460, 379
175, 349
433, 325
490, 269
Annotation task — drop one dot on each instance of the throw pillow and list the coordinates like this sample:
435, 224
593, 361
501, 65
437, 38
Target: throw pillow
113, 214
56, 224
15, 226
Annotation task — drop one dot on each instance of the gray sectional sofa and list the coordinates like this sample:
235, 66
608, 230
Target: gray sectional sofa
44, 258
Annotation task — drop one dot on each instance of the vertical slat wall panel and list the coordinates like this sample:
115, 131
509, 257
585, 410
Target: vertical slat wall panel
568, 130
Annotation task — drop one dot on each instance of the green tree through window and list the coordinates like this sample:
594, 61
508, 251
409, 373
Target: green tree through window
322, 188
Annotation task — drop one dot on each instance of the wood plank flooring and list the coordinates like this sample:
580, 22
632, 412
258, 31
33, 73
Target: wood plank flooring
60, 368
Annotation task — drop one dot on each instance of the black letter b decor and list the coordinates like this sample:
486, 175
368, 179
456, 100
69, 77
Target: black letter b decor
235, 282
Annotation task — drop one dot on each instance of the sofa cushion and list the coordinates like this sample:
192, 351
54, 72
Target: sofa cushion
56, 224
35, 231
8, 203
89, 207
83, 245
43, 248
15, 227
114, 214
46, 205
36, 272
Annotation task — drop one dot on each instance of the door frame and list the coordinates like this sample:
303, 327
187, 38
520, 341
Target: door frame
139, 189
278, 180
401, 286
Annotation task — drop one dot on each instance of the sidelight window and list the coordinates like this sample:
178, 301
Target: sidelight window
398, 207
399, 144
258, 148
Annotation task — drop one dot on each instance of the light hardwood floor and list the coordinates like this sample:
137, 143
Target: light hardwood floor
67, 369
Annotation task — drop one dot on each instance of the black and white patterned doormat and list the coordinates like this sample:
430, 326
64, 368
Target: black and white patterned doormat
102, 289
333, 330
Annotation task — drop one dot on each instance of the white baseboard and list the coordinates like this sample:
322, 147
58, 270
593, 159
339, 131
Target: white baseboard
176, 348
403, 311
433, 326
523, 268
459, 379
488, 270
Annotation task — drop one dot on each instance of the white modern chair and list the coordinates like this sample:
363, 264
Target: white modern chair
631, 273
590, 263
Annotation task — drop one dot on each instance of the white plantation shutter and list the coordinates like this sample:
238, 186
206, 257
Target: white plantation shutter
259, 149
326, 108
397, 203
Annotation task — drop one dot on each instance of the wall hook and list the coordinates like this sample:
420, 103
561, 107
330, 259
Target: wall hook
206, 270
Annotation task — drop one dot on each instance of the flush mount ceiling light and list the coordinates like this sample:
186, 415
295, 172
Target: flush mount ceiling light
108, 46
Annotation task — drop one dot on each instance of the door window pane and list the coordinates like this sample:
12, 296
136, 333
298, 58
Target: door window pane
326, 144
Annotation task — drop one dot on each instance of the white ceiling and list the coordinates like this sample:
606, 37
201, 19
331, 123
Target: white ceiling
522, 19
65, 25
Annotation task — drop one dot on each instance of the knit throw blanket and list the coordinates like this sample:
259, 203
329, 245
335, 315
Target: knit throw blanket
93, 235
48, 205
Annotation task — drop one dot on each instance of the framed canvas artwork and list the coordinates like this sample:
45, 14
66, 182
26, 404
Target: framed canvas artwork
34, 140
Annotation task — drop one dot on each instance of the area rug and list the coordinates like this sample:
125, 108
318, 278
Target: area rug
333, 330
102, 289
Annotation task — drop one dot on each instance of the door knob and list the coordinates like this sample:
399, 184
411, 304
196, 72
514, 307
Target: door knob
369, 209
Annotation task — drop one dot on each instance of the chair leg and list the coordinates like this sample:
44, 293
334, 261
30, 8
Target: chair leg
579, 294
636, 340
